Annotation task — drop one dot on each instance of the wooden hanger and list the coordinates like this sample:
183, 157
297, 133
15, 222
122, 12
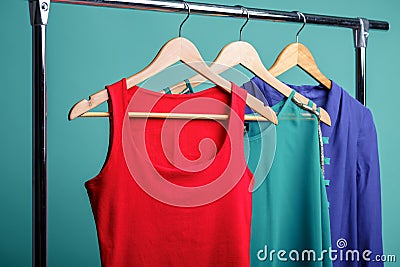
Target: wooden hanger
243, 53
175, 50
297, 54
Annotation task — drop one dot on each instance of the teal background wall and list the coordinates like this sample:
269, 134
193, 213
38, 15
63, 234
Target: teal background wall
90, 47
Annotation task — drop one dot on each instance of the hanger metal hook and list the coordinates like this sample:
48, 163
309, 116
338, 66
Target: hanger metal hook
186, 6
304, 24
247, 20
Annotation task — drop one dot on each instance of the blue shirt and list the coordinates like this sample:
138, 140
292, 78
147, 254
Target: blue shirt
351, 165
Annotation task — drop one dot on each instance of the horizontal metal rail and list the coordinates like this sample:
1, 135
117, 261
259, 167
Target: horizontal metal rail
230, 11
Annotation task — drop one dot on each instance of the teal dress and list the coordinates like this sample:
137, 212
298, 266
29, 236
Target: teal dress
290, 216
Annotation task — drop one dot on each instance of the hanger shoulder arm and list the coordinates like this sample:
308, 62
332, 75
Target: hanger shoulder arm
258, 106
168, 55
319, 77
307, 63
286, 60
324, 116
227, 58
85, 105
192, 58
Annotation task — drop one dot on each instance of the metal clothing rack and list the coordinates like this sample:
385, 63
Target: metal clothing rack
39, 11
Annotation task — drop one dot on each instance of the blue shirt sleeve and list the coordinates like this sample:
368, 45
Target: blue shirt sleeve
369, 192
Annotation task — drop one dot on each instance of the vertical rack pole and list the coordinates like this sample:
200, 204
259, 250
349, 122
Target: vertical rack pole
39, 10
360, 42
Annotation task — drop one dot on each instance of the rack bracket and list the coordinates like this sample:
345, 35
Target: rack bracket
360, 43
361, 33
39, 12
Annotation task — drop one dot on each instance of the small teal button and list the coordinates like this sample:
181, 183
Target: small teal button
325, 140
327, 161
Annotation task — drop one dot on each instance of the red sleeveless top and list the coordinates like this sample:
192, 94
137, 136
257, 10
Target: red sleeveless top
173, 192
